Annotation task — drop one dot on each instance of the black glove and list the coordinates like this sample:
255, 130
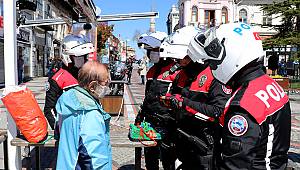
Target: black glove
139, 117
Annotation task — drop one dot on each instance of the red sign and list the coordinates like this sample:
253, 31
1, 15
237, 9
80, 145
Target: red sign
1, 21
256, 36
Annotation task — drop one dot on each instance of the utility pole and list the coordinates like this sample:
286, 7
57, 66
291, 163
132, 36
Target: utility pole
126, 48
10, 65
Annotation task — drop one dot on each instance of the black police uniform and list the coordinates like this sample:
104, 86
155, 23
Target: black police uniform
256, 124
198, 130
159, 81
61, 81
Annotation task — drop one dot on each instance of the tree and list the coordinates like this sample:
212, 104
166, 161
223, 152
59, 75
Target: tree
289, 30
104, 31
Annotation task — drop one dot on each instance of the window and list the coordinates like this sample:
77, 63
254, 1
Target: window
39, 9
209, 17
206, 19
48, 13
243, 16
194, 14
267, 20
182, 16
224, 15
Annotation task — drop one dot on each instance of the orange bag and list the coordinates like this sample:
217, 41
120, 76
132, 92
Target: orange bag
25, 111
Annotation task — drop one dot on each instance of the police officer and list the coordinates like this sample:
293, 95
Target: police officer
74, 55
159, 77
257, 118
175, 46
198, 100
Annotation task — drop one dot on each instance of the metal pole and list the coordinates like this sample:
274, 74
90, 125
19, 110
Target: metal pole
126, 49
10, 65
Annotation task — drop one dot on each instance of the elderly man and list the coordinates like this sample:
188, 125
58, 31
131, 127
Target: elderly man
84, 125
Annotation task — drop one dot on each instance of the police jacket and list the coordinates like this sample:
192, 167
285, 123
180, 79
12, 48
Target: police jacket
159, 81
204, 97
256, 124
61, 81
198, 129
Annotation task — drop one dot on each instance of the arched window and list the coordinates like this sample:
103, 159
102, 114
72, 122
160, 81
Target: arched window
194, 14
243, 16
224, 15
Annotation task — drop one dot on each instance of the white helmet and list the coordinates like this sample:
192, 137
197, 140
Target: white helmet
153, 40
228, 49
75, 45
176, 45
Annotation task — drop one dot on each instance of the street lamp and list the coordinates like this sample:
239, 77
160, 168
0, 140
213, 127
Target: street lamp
126, 44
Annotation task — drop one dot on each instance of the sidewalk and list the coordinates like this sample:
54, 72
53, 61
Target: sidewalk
123, 158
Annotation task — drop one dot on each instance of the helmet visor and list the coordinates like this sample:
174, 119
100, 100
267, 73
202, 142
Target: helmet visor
210, 44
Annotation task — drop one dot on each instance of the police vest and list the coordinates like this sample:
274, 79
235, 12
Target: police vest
202, 84
64, 79
262, 98
164, 75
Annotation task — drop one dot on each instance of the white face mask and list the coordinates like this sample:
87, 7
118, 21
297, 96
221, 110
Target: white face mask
101, 91
78, 62
154, 56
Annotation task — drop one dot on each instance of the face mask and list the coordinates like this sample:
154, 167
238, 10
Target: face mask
101, 91
154, 56
78, 62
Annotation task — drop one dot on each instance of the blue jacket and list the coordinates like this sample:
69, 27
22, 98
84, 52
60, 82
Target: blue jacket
84, 132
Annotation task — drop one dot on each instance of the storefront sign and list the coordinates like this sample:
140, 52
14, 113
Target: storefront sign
23, 35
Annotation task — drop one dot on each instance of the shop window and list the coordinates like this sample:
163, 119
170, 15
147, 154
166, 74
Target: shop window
243, 16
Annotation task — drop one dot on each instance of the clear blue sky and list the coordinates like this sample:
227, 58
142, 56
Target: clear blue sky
127, 28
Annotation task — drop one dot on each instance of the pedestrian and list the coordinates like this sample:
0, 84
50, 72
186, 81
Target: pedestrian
257, 118
159, 77
74, 54
84, 126
143, 69
212, 23
20, 65
282, 68
129, 69
197, 100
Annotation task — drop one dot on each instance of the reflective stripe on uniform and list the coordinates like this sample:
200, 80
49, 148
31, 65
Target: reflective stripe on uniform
269, 146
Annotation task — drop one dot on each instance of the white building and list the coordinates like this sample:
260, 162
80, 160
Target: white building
173, 19
201, 13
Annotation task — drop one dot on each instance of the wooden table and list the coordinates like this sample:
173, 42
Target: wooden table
117, 140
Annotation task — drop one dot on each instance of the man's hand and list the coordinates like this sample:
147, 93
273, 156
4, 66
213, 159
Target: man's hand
172, 101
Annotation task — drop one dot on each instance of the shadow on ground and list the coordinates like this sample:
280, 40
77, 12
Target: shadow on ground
47, 157
127, 167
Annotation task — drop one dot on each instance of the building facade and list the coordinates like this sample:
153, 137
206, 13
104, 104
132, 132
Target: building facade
39, 44
173, 19
204, 13
207, 13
